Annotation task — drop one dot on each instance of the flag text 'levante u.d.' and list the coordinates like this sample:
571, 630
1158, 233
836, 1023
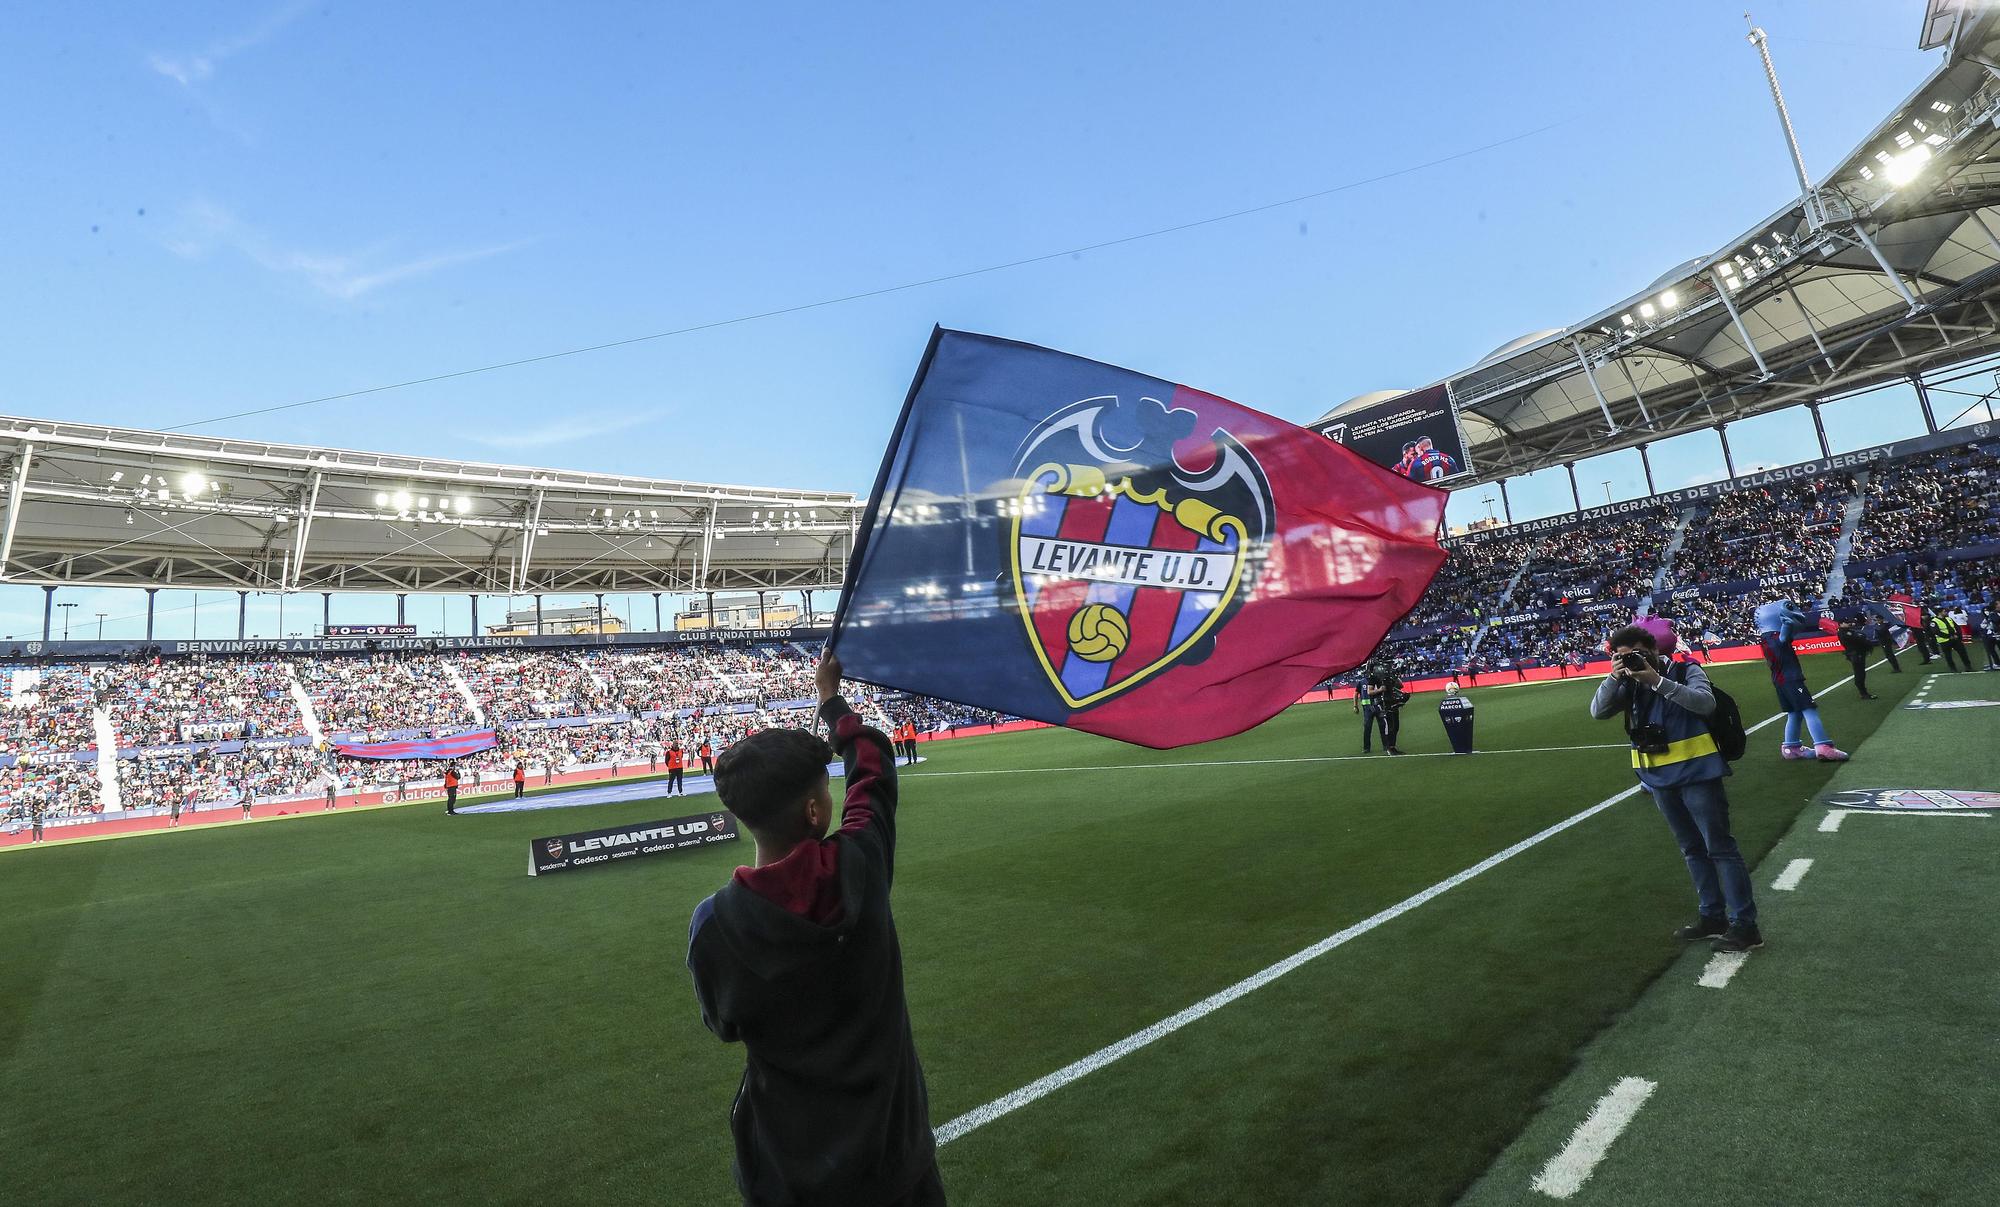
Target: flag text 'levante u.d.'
1077, 543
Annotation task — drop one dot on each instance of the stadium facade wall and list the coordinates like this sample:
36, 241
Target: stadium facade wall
85, 650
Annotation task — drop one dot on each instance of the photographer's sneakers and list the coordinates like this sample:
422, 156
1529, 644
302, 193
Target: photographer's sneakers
1741, 936
1827, 752
1794, 750
1703, 927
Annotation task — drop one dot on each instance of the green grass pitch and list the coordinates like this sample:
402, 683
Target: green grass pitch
382, 1005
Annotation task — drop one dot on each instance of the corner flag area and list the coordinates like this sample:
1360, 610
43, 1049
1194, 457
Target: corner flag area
1269, 969
1852, 1059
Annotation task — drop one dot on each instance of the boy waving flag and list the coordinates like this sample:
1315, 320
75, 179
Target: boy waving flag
797, 959
1080, 544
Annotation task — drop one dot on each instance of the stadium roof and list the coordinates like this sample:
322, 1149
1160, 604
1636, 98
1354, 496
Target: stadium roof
102, 506
1889, 268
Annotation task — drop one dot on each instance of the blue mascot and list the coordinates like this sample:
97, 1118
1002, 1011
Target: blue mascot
1778, 622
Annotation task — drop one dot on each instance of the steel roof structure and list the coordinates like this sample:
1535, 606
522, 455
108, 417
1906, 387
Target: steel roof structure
1884, 271
104, 506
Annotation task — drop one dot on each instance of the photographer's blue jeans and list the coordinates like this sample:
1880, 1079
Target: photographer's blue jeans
1698, 814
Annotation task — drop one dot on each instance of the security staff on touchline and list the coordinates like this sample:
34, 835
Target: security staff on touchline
1950, 642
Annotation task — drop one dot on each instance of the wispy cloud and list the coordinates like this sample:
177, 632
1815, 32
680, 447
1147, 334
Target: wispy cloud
205, 227
565, 432
187, 70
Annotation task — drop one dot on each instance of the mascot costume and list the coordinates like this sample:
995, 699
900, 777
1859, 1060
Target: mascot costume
1777, 623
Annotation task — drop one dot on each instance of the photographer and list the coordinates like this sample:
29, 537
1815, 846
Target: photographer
1666, 706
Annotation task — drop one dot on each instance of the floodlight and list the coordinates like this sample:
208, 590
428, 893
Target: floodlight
162, 494
402, 500
1645, 310
1904, 168
461, 503
1670, 299
193, 483
424, 502
381, 500
118, 475
1626, 319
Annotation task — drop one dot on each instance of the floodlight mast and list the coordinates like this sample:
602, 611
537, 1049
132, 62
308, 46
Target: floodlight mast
1815, 214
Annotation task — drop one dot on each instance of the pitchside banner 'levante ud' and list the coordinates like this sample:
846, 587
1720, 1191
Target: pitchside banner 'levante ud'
1080, 544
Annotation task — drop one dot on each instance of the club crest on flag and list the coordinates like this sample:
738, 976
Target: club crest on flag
1133, 539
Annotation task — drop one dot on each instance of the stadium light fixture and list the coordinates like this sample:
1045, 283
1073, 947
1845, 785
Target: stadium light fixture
401, 499
1645, 310
1625, 319
381, 499
1902, 169
424, 502
193, 483
162, 494
117, 475
461, 503
1670, 299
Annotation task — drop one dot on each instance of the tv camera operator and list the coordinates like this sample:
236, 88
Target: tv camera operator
1667, 707
1383, 691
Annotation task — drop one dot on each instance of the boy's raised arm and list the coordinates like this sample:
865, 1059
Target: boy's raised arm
868, 813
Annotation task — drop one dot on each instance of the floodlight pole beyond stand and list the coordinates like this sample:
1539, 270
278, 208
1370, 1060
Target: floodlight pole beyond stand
1815, 215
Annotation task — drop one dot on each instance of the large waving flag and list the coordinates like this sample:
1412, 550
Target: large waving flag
1080, 544
458, 745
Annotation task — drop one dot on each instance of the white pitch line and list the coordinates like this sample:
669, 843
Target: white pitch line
1794, 872
1569, 1169
1042, 1087
1721, 967
1323, 758
980, 1116
1834, 817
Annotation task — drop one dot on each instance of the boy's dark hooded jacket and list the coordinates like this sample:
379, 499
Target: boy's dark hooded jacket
799, 960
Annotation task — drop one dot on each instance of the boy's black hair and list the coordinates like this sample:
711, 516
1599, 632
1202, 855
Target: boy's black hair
762, 778
1632, 634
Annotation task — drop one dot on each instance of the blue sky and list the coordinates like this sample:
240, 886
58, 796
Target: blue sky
220, 207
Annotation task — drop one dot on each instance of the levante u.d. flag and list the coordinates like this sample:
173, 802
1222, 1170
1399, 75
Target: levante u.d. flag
1081, 544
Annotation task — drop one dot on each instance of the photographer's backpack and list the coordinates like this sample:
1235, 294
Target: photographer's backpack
1725, 724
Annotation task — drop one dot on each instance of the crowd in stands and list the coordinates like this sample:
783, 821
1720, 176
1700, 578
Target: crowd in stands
640, 701
382, 692
1765, 532
50, 709
163, 701
1605, 558
1942, 500
1469, 584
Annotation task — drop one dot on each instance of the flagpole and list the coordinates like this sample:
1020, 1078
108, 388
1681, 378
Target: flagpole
860, 544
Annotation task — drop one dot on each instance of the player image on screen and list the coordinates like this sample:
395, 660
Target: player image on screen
1431, 465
